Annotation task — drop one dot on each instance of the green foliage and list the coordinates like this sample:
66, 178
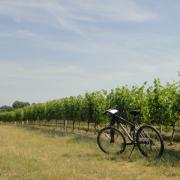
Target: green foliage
6, 108
159, 104
19, 104
96, 105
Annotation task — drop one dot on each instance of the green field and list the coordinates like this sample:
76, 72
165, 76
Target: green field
29, 153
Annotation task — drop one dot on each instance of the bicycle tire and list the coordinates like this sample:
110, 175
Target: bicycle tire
105, 143
146, 142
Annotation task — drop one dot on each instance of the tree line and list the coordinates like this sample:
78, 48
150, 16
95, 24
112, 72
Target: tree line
15, 105
159, 104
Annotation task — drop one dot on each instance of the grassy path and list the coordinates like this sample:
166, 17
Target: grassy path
36, 154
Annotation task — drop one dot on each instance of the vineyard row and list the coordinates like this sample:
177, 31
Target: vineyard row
159, 104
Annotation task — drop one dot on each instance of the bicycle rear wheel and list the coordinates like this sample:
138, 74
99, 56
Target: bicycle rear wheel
111, 141
150, 142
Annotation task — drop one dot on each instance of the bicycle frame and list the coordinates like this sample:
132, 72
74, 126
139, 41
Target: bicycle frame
120, 120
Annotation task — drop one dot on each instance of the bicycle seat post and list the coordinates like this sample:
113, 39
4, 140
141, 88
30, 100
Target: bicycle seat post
113, 121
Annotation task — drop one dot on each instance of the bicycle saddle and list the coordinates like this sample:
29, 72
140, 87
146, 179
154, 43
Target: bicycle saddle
135, 112
111, 111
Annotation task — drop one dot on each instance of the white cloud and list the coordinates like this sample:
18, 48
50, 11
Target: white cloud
101, 57
36, 71
71, 14
18, 34
116, 10
38, 82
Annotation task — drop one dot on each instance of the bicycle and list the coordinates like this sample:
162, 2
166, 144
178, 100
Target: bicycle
111, 140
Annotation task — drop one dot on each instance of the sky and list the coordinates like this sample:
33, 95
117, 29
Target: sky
51, 49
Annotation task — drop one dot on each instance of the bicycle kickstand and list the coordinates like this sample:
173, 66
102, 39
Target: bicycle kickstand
132, 151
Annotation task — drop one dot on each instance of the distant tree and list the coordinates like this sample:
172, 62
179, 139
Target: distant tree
20, 104
6, 108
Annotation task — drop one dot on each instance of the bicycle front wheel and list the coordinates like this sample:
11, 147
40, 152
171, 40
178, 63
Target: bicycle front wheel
150, 142
111, 141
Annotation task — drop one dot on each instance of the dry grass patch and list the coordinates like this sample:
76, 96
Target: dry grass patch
44, 154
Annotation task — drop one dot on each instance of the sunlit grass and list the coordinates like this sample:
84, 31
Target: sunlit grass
28, 153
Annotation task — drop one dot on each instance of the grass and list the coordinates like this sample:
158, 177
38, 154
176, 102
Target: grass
30, 153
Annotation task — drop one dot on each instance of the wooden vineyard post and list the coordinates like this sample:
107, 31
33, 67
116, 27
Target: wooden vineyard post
65, 125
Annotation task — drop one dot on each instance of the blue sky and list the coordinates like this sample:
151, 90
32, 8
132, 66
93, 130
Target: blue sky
55, 48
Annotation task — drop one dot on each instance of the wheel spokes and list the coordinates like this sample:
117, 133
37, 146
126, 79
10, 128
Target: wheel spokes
149, 142
111, 141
